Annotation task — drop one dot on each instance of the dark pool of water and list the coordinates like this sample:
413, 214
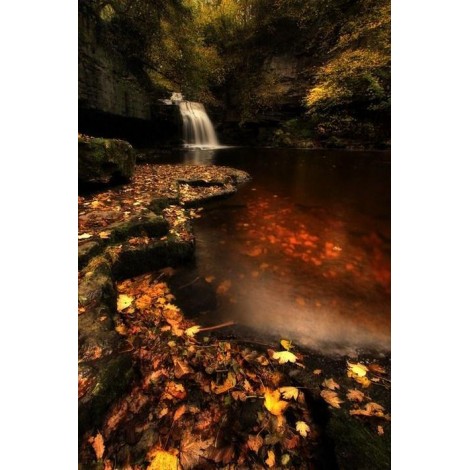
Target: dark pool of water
301, 252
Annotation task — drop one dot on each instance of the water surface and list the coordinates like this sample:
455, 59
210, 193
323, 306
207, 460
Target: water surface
302, 251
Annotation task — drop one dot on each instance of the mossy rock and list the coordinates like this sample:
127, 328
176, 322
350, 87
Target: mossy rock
103, 160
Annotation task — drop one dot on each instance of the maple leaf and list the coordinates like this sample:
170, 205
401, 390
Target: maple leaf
289, 392
84, 236
123, 302
163, 461
331, 398
192, 449
254, 442
192, 331
273, 403
97, 443
271, 460
286, 344
284, 356
179, 412
331, 384
358, 369
371, 409
355, 395
302, 427
229, 383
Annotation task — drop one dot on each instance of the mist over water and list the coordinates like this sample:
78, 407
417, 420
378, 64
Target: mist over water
303, 251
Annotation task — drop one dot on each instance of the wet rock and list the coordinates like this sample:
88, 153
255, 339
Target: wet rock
102, 160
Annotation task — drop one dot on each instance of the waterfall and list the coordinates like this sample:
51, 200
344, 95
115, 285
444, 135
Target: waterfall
198, 130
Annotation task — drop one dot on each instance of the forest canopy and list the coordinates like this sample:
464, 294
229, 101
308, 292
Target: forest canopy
221, 52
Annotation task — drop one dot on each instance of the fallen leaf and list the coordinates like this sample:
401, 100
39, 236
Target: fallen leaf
209, 279
371, 409
179, 412
355, 395
317, 372
271, 460
239, 396
163, 461
192, 331
229, 383
97, 443
254, 442
181, 368
289, 392
284, 356
123, 302
331, 398
380, 430
302, 427
358, 369
376, 369
84, 236
331, 384
273, 403
285, 459
192, 449
105, 235
144, 302
286, 344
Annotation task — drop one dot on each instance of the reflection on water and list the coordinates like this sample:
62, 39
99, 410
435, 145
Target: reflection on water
303, 251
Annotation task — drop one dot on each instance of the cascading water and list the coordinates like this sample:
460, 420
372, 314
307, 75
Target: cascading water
198, 130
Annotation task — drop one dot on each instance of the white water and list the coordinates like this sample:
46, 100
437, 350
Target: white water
198, 130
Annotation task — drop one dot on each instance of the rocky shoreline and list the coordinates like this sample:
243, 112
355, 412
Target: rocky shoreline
157, 391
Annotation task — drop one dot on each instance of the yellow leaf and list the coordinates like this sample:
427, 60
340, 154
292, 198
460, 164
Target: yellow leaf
84, 236
192, 331
271, 460
355, 395
285, 459
302, 427
121, 329
123, 302
105, 235
358, 369
289, 392
286, 344
229, 383
331, 398
273, 403
317, 372
97, 443
284, 356
331, 384
164, 461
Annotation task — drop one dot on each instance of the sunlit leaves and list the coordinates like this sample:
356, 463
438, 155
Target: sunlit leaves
284, 356
192, 331
358, 372
273, 402
123, 302
302, 427
163, 461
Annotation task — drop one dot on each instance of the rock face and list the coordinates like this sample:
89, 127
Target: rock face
100, 160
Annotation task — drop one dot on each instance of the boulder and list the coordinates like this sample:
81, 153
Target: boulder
102, 160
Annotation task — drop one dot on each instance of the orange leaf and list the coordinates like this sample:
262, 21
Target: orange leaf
97, 443
179, 412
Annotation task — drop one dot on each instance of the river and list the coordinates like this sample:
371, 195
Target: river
302, 252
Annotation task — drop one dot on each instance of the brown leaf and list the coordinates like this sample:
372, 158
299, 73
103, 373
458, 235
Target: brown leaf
331, 384
355, 395
229, 383
192, 449
254, 442
331, 398
371, 409
376, 369
181, 368
179, 412
380, 430
97, 443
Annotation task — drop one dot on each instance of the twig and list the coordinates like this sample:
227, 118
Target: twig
222, 325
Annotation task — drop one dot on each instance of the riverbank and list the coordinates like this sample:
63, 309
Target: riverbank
148, 375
